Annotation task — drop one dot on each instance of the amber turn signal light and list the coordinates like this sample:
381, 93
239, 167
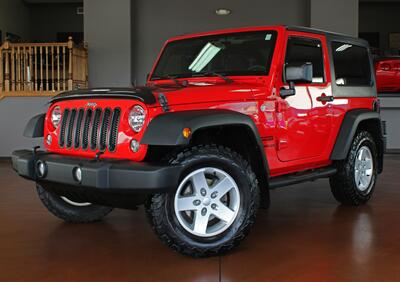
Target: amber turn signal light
186, 132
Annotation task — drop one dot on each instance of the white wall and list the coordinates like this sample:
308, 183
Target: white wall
107, 30
335, 15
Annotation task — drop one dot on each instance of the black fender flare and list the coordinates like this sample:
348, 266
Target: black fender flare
166, 129
348, 129
35, 127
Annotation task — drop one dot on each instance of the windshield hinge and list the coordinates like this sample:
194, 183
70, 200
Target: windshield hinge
163, 102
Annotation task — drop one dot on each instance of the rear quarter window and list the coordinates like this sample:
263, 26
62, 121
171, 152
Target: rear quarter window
351, 64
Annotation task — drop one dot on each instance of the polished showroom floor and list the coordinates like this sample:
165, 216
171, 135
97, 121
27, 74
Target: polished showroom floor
305, 236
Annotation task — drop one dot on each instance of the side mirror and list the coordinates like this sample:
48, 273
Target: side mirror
296, 73
299, 73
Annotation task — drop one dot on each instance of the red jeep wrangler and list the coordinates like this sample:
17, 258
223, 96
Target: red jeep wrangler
225, 116
387, 72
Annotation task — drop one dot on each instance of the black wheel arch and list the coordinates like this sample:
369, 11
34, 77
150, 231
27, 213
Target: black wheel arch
35, 126
166, 130
354, 120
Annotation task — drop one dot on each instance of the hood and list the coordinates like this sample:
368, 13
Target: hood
192, 93
143, 94
201, 92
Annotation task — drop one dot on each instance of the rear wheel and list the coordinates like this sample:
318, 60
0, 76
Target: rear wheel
71, 210
355, 181
213, 207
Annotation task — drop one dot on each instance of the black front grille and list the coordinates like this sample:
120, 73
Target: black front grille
86, 128
77, 138
95, 129
61, 140
112, 143
105, 125
70, 128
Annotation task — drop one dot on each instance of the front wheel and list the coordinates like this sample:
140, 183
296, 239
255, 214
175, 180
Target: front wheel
213, 207
70, 210
355, 181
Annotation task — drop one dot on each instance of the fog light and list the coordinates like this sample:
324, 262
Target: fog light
135, 145
49, 139
77, 172
41, 169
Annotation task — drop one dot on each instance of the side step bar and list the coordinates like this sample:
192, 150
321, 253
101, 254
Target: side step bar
286, 180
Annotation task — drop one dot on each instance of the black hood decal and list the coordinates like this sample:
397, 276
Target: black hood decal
143, 94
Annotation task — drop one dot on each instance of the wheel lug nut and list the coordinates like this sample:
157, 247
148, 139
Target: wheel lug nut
214, 194
203, 211
214, 206
196, 202
203, 192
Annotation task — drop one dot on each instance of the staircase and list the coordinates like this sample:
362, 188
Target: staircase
42, 69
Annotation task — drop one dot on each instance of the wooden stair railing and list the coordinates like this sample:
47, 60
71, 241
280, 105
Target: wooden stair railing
42, 69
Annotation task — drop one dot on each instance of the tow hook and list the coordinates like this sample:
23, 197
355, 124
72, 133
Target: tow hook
35, 149
97, 157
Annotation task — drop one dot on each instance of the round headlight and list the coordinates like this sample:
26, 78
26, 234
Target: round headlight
137, 116
56, 116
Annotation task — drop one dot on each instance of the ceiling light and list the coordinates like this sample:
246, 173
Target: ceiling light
223, 12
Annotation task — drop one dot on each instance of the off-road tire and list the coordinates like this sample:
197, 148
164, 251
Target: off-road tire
164, 222
343, 184
70, 213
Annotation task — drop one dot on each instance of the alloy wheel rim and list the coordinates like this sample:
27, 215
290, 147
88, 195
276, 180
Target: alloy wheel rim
207, 202
364, 168
73, 203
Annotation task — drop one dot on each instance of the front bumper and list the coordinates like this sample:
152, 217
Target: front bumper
116, 176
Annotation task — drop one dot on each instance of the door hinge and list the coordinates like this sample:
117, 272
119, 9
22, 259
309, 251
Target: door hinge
278, 106
282, 144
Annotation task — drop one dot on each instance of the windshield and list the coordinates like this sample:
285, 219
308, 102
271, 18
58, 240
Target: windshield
246, 53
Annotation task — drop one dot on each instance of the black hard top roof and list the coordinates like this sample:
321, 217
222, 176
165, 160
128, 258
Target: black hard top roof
330, 35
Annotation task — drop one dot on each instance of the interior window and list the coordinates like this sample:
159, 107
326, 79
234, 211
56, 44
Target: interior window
306, 50
351, 63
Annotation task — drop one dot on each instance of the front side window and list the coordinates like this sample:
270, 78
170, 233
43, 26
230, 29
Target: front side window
301, 50
246, 53
352, 64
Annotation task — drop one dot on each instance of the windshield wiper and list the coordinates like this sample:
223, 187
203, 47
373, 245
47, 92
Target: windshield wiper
214, 73
177, 82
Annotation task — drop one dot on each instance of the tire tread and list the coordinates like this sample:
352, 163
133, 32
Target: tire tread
159, 220
70, 213
342, 184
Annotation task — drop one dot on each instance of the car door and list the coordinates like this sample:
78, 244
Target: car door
304, 119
